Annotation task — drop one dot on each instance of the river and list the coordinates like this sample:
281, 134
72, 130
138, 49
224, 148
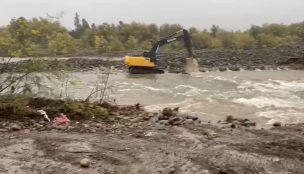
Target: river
261, 96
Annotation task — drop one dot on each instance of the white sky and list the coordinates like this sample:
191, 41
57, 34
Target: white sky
228, 14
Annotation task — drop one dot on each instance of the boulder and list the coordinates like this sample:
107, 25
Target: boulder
222, 69
229, 119
248, 123
164, 122
167, 112
85, 163
15, 127
277, 124
188, 121
234, 68
194, 118
175, 121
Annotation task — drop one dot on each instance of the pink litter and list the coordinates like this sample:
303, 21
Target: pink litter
61, 119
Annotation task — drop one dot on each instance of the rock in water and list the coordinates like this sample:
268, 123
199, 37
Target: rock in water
15, 127
189, 121
175, 121
191, 65
85, 163
167, 112
229, 119
277, 124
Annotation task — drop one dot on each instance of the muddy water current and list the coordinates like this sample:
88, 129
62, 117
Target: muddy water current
262, 96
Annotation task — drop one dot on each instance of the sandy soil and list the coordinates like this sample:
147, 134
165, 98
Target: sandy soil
147, 146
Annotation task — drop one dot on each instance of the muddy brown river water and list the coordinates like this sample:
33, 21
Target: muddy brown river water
262, 96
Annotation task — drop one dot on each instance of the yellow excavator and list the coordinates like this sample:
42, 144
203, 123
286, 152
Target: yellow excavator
148, 63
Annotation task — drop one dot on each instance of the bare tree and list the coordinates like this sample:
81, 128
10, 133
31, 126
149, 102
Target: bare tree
101, 86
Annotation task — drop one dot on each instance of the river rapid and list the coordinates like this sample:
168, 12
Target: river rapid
261, 96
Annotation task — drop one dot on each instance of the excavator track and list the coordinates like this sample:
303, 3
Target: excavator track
142, 70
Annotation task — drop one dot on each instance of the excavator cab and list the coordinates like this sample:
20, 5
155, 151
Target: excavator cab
146, 54
148, 62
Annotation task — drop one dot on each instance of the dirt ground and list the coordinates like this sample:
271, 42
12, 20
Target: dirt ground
150, 147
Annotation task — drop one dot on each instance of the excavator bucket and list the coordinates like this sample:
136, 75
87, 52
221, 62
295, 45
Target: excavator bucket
191, 65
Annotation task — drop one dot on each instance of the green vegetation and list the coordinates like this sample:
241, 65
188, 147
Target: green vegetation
24, 107
43, 37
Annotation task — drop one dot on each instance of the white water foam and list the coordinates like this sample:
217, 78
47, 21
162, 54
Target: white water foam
270, 85
262, 102
191, 93
188, 91
220, 78
139, 87
290, 86
287, 116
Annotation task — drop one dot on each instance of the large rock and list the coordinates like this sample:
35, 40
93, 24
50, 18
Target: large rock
277, 124
188, 121
170, 112
229, 119
167, 112
85, 163
15, 127
175, 121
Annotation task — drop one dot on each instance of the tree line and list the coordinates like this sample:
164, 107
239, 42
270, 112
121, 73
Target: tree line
47, 37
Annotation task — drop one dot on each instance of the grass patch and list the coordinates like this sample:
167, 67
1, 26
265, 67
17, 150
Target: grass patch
21, 107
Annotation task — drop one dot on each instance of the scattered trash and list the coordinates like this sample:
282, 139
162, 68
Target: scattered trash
61, 119
42, 112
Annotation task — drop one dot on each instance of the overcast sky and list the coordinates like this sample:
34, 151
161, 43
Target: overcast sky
228, 14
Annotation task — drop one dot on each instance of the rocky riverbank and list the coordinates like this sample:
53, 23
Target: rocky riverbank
127, 139
282, 57
234, 60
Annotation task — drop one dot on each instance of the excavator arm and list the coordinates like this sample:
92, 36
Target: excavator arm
182, 35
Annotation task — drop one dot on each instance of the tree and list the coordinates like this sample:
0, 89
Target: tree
20, 31
44, 36
255, 31
244, 41
115, 45
146, 45
216, 43
93, 26
101, 44
201, 40
132, 43
87, 38
79, 27
85, 25
290, 39
214, 30
279, 30
77, 22
227, 38
167, 29
7, 43
62, 44
267, 40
